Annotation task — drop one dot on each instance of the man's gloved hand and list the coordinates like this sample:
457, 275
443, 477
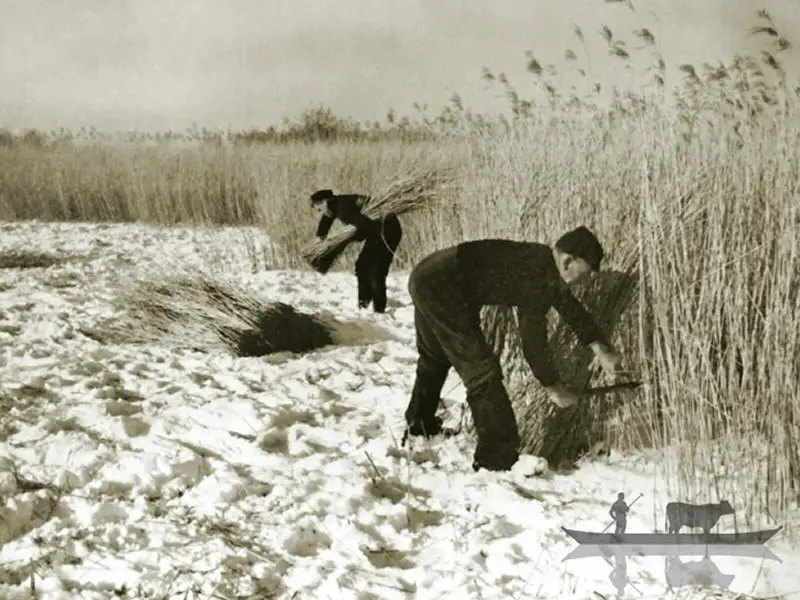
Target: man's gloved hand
608, 358
561, 395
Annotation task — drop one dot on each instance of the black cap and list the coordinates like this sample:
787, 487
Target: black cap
582, 243
321, 195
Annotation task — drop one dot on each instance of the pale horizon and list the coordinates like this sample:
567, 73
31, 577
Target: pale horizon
157, 66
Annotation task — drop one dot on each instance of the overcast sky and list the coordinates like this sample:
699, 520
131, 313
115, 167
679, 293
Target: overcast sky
163, 64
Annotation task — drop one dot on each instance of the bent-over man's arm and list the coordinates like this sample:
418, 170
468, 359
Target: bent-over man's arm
533, 332
325, 223
577, 317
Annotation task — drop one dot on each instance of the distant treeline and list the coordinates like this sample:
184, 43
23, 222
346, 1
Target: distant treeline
316, 124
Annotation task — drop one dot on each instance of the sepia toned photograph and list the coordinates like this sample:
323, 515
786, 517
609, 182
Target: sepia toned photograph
412, 300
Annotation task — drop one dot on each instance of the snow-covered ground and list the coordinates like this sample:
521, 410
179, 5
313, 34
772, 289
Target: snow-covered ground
145, 472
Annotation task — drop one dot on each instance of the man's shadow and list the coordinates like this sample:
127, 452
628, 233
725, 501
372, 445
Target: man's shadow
703, 573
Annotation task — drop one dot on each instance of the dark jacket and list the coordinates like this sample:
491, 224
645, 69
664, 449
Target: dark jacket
347, 208
525, 275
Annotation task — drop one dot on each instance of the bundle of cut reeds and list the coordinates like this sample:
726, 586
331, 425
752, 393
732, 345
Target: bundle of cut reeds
203, 314
546, 430
414, 191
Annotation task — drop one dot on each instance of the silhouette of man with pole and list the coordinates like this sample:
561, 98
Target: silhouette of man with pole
619, 512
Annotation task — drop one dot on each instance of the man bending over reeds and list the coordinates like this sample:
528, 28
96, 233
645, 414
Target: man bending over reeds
381, 239
448, 289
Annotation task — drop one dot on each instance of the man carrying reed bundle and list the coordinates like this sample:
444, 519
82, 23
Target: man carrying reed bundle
381, 238
448, 289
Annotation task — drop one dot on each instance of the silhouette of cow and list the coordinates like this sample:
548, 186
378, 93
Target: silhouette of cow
704, 516
703, 573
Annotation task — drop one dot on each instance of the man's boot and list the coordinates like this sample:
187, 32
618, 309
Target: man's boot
498, 438
421, 412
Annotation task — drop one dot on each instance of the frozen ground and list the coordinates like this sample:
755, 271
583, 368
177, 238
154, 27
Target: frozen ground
139, 472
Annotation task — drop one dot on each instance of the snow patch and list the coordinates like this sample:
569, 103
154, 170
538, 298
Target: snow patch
137, 471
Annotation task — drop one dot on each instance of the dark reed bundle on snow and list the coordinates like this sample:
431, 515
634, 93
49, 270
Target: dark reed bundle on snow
198, 313
417, 190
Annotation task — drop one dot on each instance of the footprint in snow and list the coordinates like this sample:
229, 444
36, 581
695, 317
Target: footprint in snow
317, 440
335, 407
306, 539
283, 417
414, 519
28, 511
371, 429
393, 489
135, 426
503, 528
419, 456
288, 425
274, 440
116, 408
384, 558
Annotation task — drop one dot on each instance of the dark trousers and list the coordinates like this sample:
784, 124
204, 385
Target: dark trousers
373, 264
449, 335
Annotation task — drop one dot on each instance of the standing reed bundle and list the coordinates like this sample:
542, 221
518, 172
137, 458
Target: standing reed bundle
412, 192
559, 434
